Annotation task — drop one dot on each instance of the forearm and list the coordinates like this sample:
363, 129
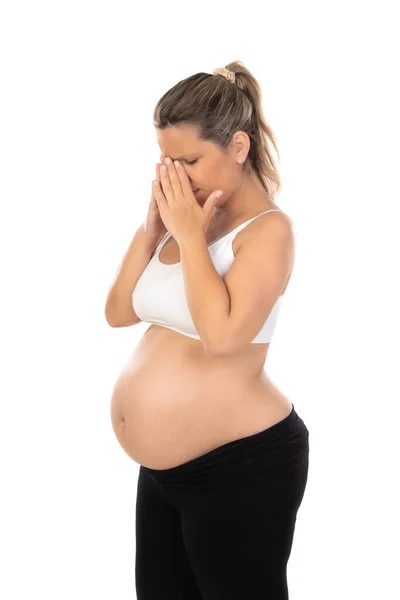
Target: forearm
206, 293
133, 263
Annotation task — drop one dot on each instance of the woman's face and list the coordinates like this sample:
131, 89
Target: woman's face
206, 165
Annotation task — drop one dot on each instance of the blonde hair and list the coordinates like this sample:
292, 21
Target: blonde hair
220, 107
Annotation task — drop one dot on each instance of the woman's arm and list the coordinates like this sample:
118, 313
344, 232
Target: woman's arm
118, 309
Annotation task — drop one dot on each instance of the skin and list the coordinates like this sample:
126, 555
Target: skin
171, 400
217, 168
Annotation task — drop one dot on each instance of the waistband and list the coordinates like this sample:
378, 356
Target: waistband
283, 438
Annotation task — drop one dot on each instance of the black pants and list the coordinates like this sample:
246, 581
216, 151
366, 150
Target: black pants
221, 526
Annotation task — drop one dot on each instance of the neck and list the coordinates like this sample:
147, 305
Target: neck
249, 197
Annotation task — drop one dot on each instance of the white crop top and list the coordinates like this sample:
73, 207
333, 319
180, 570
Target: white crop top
159, 296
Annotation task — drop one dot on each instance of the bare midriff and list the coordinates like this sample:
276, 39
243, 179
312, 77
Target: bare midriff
173, 402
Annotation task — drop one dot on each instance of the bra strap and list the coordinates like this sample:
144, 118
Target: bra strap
163, 240
239, 227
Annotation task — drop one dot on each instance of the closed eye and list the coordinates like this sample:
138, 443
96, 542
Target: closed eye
191, 162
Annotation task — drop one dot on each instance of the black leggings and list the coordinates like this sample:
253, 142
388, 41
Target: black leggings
221, 526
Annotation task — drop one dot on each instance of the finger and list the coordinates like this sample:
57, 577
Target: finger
174, 178
166, 185
184, 180
158, 195
158, 167
152, 191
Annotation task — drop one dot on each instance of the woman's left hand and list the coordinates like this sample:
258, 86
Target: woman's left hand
182, 215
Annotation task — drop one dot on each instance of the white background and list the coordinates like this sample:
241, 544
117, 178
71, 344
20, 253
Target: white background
79, 82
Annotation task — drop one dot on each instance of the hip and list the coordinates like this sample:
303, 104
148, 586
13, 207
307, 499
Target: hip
275, 459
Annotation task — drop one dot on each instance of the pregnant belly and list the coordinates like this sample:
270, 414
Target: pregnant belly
172, 403
165, 419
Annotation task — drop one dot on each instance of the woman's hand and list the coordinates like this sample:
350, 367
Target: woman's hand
181, 213
153, 224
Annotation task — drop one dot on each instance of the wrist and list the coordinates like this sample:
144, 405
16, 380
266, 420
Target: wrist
194, 239
150, 243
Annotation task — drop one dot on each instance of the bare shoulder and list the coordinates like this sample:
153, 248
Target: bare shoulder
266, 252
274, 221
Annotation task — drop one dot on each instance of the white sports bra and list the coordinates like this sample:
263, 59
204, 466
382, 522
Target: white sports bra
159, 296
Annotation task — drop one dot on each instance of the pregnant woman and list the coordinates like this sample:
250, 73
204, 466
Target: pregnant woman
223, 454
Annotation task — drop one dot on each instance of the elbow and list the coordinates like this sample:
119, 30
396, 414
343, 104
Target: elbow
228, 345
210, 349
210, 352
111, 323
217, 350
220, 345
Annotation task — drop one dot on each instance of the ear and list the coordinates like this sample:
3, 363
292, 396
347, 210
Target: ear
241, 146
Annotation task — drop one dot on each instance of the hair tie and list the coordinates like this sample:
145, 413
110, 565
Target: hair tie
230, 75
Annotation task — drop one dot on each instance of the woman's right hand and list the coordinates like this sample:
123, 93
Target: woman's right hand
153, 224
